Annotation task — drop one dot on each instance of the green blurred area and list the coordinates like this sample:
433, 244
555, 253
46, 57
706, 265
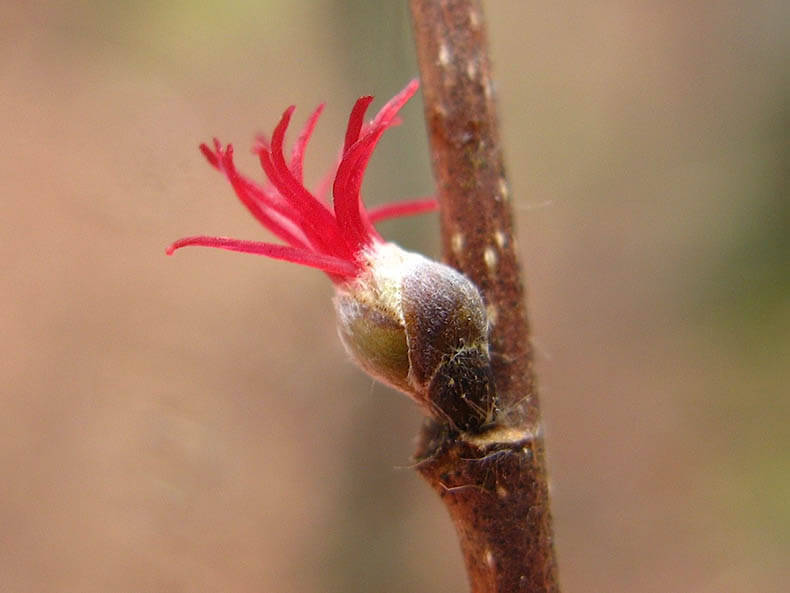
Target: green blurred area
191, 423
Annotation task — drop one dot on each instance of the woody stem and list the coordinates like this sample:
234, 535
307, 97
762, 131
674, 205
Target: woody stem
494, 485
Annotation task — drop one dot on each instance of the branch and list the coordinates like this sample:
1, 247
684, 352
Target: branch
494, 484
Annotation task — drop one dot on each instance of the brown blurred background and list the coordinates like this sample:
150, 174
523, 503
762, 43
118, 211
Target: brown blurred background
191, 423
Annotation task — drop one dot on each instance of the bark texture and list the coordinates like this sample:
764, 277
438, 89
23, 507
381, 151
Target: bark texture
493, 482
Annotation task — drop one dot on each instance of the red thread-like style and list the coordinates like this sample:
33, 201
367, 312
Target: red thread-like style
330, 238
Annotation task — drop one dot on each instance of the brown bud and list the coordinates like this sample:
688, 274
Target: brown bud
421, 327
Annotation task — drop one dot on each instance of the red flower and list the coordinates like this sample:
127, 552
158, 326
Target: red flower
331, 238
415, 324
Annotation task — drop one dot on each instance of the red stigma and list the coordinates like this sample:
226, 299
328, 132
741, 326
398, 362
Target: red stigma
315, 234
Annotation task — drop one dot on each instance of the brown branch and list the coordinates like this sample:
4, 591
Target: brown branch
494, 484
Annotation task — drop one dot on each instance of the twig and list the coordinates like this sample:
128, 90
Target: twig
494, 484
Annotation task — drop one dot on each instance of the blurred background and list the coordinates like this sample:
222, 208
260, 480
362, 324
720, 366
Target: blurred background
192, 423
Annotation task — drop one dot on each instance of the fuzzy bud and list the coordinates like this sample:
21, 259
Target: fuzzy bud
421, 327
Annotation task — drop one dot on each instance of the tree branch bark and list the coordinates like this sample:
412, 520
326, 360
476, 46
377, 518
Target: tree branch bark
494, 484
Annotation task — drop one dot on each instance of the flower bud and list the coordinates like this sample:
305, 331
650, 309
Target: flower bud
420, 326
415, 324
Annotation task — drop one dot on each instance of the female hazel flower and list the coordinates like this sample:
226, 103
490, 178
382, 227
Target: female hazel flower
415, 324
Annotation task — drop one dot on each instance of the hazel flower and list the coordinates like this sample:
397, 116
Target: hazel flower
412, 323
330, 239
